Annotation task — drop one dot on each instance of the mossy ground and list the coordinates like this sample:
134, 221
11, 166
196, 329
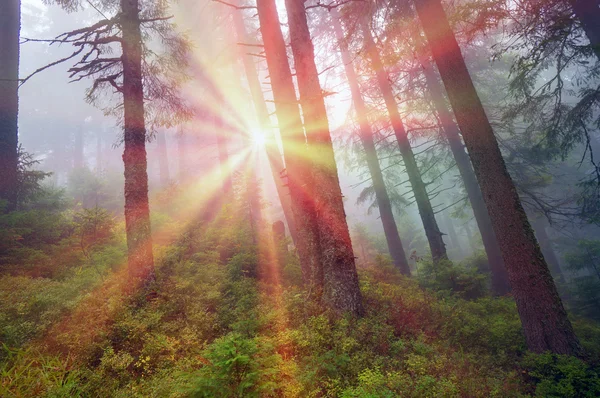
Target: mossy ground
226, 319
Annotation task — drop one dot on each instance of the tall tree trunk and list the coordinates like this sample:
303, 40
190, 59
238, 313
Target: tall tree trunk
366, 136
273, 154
588, 13
432, 231
294, 146
340, 280
544, 319
10, 29
163, 158
137, 210
500, 284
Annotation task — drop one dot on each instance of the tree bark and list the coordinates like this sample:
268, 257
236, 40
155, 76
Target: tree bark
273, 154
432, 231
163, 158
588, 13
298, 175
544, 319
500, 284
390, 228
137, 211
340, 280
10, 29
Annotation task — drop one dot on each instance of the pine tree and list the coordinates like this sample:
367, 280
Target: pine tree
544, 319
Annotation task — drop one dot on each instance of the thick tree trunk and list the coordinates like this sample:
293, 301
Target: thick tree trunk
432, 231
366, 136
10, 28
294, 145
588, 13
137, 211
544, 319
340, 280
273, 154
163, 158
500, 284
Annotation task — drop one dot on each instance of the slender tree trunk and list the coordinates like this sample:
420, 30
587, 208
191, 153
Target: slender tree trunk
137, 210
273, 154
10, 29
588, 13
500, 284
366, 136
544, 319
340, 280
163, 158
432, 231
294, 146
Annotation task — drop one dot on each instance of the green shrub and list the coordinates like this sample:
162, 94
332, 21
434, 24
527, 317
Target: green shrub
561, 376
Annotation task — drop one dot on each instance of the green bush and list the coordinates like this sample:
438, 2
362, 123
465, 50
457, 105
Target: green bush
561, 376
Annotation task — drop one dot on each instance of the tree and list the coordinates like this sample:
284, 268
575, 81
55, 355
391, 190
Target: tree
137, 74
500, 284
432, 231
544, 319
366, 136
10, 27
273, 154
294, 146
340, 280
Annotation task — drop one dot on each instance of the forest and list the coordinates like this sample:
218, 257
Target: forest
300, 198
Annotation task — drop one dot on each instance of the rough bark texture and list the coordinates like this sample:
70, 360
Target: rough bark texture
273, 154
294, 146
432, 231
10, 28
544, 319
500, 284
340, 280
366, 136
137, 211
163, 158
588, 13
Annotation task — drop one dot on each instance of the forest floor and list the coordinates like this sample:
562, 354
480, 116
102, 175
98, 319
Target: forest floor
227, 318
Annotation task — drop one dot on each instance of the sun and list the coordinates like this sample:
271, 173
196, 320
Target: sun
258, 137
